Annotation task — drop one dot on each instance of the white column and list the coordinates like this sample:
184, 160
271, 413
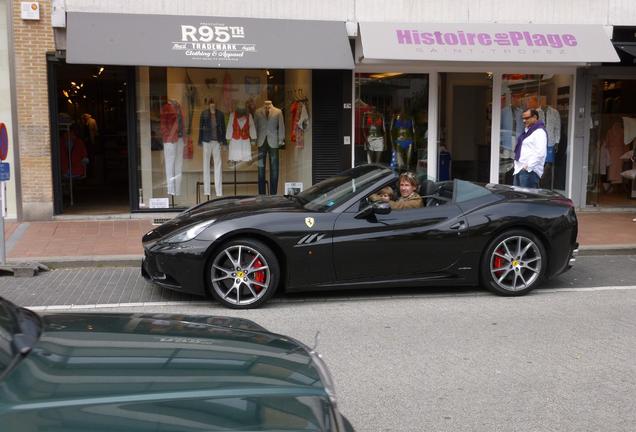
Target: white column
433, 119
495, 128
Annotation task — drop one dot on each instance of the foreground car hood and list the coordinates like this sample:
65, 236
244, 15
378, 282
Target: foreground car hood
222, 209
123, 365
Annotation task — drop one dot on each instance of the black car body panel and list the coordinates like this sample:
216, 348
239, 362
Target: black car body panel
434, 245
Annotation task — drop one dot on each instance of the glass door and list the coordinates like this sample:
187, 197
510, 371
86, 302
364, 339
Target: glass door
465, 126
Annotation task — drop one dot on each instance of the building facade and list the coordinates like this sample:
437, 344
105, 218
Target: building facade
118, 102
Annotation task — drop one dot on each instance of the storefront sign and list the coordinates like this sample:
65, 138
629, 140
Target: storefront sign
487, 42
4, 142
30, 10
163, 40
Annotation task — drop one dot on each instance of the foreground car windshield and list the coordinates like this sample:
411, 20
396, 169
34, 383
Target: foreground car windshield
338, 189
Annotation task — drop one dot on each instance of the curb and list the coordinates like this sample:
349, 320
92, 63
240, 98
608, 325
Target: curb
135, 260
84, 261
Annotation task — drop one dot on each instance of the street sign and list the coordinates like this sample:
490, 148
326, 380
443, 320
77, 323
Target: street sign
5, 172
4, 142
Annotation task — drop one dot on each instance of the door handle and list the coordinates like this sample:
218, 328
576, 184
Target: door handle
458, 226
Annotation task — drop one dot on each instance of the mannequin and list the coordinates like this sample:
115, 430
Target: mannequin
240, 132
211, 137
172, 133
270, 130
403, 139
373, 130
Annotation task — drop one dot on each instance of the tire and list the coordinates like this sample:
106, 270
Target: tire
243, 274
514, 263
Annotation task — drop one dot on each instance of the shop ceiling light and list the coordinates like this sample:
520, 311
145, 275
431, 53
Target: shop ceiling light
385, 75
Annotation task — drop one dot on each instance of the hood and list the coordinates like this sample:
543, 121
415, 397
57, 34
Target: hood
87, 359
223, 208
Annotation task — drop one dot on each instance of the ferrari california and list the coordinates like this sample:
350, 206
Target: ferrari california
242, 249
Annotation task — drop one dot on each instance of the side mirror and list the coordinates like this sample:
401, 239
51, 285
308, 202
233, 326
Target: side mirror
378, 207
381, 208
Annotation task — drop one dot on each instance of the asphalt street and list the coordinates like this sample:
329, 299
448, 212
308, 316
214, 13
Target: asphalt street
559, 359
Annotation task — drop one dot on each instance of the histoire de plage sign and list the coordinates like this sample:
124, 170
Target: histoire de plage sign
213, 41
521, 42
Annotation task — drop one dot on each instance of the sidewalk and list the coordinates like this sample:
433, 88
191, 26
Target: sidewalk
108, 242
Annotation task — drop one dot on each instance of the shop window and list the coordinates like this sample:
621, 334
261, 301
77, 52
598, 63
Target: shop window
549, 94
207, 133
391, 120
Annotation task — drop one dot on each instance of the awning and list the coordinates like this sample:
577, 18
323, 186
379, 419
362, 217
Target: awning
520, 43
194, 41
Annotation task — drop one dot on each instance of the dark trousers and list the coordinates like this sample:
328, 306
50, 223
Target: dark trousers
526, 179
264, 152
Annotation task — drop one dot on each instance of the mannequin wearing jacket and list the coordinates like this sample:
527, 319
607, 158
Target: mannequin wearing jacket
172, 133
270, 132
211, 137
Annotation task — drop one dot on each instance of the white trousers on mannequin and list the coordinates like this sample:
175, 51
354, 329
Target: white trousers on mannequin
173, 158
212, 148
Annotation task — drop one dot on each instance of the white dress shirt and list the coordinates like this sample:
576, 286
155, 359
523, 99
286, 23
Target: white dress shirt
533, 152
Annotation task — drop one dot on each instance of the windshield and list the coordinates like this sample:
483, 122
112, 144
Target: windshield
338, 189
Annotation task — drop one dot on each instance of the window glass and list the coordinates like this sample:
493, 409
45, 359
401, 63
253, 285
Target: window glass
549, 94
206, 133
391, 120
465, 191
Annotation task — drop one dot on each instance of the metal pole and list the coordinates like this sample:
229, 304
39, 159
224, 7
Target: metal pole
3, 254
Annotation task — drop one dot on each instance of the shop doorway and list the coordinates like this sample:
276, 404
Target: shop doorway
465, 126
611, 175
89, 119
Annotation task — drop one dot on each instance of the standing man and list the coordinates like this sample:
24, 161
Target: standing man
270, 133
530, 151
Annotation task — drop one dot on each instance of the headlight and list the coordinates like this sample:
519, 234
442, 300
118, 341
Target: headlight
190, 233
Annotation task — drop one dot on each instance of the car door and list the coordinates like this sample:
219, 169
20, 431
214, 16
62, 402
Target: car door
404, 243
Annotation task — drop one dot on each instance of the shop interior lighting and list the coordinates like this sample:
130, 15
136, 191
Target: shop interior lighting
101, 69
385, 75
65, 93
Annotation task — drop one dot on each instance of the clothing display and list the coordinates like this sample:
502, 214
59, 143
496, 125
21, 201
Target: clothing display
173, 159
299, 122
212, 149
360, 109
402, 135
172, 133
629, 130
270, 131
270, 126
373, 128
552, 120
240, 131
211, 137
615, 147
73, 155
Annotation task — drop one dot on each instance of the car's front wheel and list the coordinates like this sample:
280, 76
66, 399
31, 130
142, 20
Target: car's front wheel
243, 274
514, 263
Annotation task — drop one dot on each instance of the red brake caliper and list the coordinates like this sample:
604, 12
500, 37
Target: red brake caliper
499, 262
259, 276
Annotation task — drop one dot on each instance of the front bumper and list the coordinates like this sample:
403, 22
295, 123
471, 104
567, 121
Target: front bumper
179, 267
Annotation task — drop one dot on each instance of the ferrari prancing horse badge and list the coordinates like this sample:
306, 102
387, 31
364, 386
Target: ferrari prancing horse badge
309, 221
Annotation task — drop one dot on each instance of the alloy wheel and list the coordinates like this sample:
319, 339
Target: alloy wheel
240, 275
515, 263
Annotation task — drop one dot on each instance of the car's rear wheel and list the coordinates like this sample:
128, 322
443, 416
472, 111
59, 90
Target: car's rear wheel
243, 274
515, 263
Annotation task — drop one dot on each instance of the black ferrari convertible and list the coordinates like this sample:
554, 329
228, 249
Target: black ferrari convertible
242, 249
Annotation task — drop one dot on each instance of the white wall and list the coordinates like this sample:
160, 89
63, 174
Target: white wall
605, 12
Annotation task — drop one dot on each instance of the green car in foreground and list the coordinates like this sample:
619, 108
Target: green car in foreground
157, 372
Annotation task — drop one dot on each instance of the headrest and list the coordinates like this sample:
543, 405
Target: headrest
427, 187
